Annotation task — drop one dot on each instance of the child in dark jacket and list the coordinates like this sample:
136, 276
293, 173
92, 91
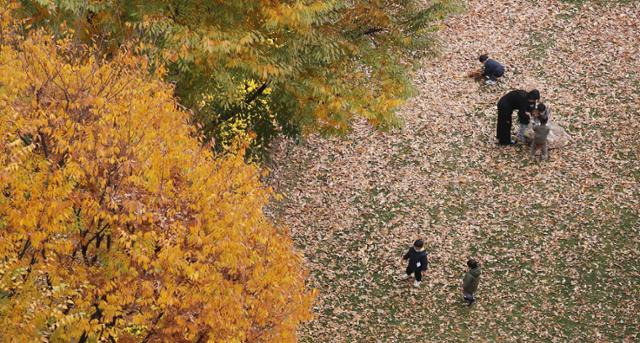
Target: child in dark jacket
492, 69
470, 281
417, 262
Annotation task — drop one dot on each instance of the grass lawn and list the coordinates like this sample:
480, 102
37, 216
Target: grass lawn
558, 242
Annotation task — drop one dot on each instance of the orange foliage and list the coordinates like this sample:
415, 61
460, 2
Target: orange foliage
115, 221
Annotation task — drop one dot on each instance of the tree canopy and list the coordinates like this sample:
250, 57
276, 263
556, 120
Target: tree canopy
324, 61
116, 222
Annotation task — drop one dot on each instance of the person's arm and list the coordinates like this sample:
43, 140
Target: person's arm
407, 255
424, 262
523, 110
522, 115
486, 69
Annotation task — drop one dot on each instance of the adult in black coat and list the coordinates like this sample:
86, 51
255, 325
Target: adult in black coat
520, 100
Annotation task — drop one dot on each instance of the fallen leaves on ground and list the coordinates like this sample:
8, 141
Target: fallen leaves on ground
558, 242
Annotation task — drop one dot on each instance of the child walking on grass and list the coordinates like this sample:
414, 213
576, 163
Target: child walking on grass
417, 262
470, 281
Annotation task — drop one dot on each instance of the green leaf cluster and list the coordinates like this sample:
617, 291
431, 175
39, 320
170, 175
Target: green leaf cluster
325, 61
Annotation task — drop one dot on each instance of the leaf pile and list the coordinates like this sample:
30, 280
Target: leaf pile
558, 242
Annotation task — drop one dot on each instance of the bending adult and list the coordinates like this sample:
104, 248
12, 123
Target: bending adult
520, 100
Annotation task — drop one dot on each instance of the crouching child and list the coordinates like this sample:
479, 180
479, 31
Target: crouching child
491, 70
417, 262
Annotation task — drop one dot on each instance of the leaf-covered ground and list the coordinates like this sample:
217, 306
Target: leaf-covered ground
558, 241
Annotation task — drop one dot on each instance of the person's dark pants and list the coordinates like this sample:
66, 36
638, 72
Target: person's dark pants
503, 131
418, 273
468, 297
494, 76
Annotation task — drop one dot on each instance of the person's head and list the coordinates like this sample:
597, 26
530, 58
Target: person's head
472, 264
418, 244
533, 95
483, 58
541, 107
543, 120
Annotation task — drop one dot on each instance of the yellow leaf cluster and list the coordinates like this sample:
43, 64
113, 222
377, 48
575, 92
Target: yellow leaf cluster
116, 223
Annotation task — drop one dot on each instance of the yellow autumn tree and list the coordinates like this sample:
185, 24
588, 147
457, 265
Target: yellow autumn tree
116, 223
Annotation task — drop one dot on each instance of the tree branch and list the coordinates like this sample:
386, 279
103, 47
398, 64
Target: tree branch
251, 97
44, 144
84, 337
27, 244
152, 331
202, 337
373, 30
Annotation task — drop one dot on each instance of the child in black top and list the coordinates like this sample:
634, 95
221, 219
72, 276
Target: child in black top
417, 261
